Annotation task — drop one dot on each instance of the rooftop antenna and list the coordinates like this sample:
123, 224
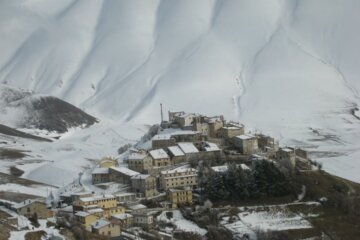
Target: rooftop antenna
161, 111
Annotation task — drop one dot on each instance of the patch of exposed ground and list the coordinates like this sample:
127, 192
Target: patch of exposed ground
16, 197
10, 153
7, 178
16, 133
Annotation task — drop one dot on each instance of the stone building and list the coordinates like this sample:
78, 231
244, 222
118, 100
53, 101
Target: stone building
187, 136
121, 175
179, 196
162, 141
176, 154
160, 158
231, 130
247, 144
144, 185
143, 219
188, 149
181, 177
139, 162
100, 175
31, 207
286, 157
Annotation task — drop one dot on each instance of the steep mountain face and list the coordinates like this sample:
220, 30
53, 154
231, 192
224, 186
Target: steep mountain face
289, 68
23, 109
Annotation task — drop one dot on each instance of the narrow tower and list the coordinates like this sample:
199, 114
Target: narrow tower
161, 112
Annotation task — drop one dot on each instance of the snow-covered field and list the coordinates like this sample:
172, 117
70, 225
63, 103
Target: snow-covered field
281, 67
60, 162
181, 223
266, 218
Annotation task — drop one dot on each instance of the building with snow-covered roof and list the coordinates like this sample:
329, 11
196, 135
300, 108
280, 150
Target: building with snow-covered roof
179, 196
162, 141
186, 136
105, 201
126, 197
106, 228
160, 158
231, 130
141, 163
180, 177
188, 149
286, 157
144, 185
125, 220
100, 175
121, 175
143, 219
86, 219
176, 154
30, 207
246, 143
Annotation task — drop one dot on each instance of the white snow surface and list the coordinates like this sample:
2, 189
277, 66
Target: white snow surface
280, 67
181, 223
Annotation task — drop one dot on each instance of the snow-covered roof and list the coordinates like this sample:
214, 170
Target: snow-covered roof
185, 132
222, 168
179, 170
100, 171
96, 210
125, 194
122, 216
176, 151
100, 224
140, 176
188, 147
161, 137
82, 214
137, 206
287, 149
97, 198
211, 147
158, 154
136, 156
245, 136
125, 171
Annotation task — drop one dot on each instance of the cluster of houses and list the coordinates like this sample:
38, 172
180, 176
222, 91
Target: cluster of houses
162, 173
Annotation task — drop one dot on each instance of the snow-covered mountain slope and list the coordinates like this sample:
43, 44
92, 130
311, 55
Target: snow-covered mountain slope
289, 68
24, 109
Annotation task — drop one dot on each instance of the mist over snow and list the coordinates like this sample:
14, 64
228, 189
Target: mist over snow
287, 68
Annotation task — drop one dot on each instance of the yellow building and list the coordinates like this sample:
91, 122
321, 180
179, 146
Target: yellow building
106, 228
178, 178
102, 201
108, 213
108, 162
86, 219
179, 196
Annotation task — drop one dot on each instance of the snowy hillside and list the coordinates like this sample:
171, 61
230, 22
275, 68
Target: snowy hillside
288, 68
22, 109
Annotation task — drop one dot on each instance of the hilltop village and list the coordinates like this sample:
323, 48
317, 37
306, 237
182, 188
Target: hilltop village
171, 168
